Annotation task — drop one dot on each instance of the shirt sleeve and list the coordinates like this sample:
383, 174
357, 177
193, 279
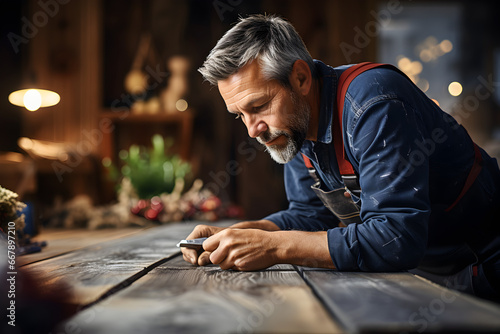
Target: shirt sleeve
394, 178
305, 212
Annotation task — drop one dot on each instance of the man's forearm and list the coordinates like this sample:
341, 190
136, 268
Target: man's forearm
308, 249
265, 225
302, 248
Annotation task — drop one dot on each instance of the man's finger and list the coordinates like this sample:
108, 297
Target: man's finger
228, 264
211, 243
189, 255
204, 259
219, 255
201, 231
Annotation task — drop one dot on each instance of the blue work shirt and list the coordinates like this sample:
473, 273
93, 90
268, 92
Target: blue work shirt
412, 160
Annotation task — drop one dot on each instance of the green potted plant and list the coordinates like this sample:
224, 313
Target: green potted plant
152, 171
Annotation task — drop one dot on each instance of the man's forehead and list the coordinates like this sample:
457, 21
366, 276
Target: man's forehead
247, 81
248, 74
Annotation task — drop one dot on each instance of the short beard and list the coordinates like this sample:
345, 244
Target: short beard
298, 123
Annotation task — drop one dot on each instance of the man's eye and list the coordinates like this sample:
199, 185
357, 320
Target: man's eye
259, 107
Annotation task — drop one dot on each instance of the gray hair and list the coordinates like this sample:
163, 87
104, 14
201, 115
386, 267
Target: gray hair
270, 39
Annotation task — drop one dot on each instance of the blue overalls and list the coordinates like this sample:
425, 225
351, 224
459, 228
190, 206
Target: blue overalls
413, 161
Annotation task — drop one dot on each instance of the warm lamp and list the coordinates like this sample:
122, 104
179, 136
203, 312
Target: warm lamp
33, 99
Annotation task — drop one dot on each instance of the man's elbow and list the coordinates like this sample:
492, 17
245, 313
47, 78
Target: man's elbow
401, 259
407, 261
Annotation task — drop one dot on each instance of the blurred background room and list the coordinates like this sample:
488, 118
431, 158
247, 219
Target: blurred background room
138, 138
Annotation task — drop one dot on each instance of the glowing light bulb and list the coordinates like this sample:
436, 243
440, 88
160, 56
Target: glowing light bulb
404, 63
455, 88
446, 46
181, 105
32, 100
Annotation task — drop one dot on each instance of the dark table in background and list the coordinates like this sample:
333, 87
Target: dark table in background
135, 281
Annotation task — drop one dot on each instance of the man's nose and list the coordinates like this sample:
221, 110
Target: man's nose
255, 127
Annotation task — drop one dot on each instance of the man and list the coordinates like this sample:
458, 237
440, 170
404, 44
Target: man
412, 161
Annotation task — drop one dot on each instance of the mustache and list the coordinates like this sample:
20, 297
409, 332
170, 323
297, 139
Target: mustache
268, 136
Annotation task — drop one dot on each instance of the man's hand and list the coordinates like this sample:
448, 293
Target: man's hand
200, 231
243, 249
191, 255
257, 245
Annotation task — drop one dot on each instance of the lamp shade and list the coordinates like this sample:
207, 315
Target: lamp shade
34, 98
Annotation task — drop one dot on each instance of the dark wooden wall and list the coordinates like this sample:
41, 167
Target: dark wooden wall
73, 54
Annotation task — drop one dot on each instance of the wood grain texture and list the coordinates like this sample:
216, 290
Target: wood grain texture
179, 263
178, 297
90, 272
63, 241
400, 302
139, 283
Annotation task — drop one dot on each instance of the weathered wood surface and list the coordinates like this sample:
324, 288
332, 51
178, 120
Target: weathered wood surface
400, 302
179, 263
91, 272
178, 297
139, 283
64, 241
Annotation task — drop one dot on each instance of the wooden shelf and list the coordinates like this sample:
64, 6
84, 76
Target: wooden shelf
182, 120
159, 117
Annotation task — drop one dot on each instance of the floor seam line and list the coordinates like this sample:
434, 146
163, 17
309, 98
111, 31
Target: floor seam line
129, 281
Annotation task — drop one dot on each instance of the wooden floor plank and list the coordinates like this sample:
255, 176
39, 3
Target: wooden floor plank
178, 297
64, 241
400, 302
179, 263
89, 272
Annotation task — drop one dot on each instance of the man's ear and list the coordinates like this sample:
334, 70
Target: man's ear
301, 77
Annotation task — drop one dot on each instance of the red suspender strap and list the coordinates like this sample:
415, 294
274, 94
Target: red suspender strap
345, 79
311, 169
345, 166
307, 162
